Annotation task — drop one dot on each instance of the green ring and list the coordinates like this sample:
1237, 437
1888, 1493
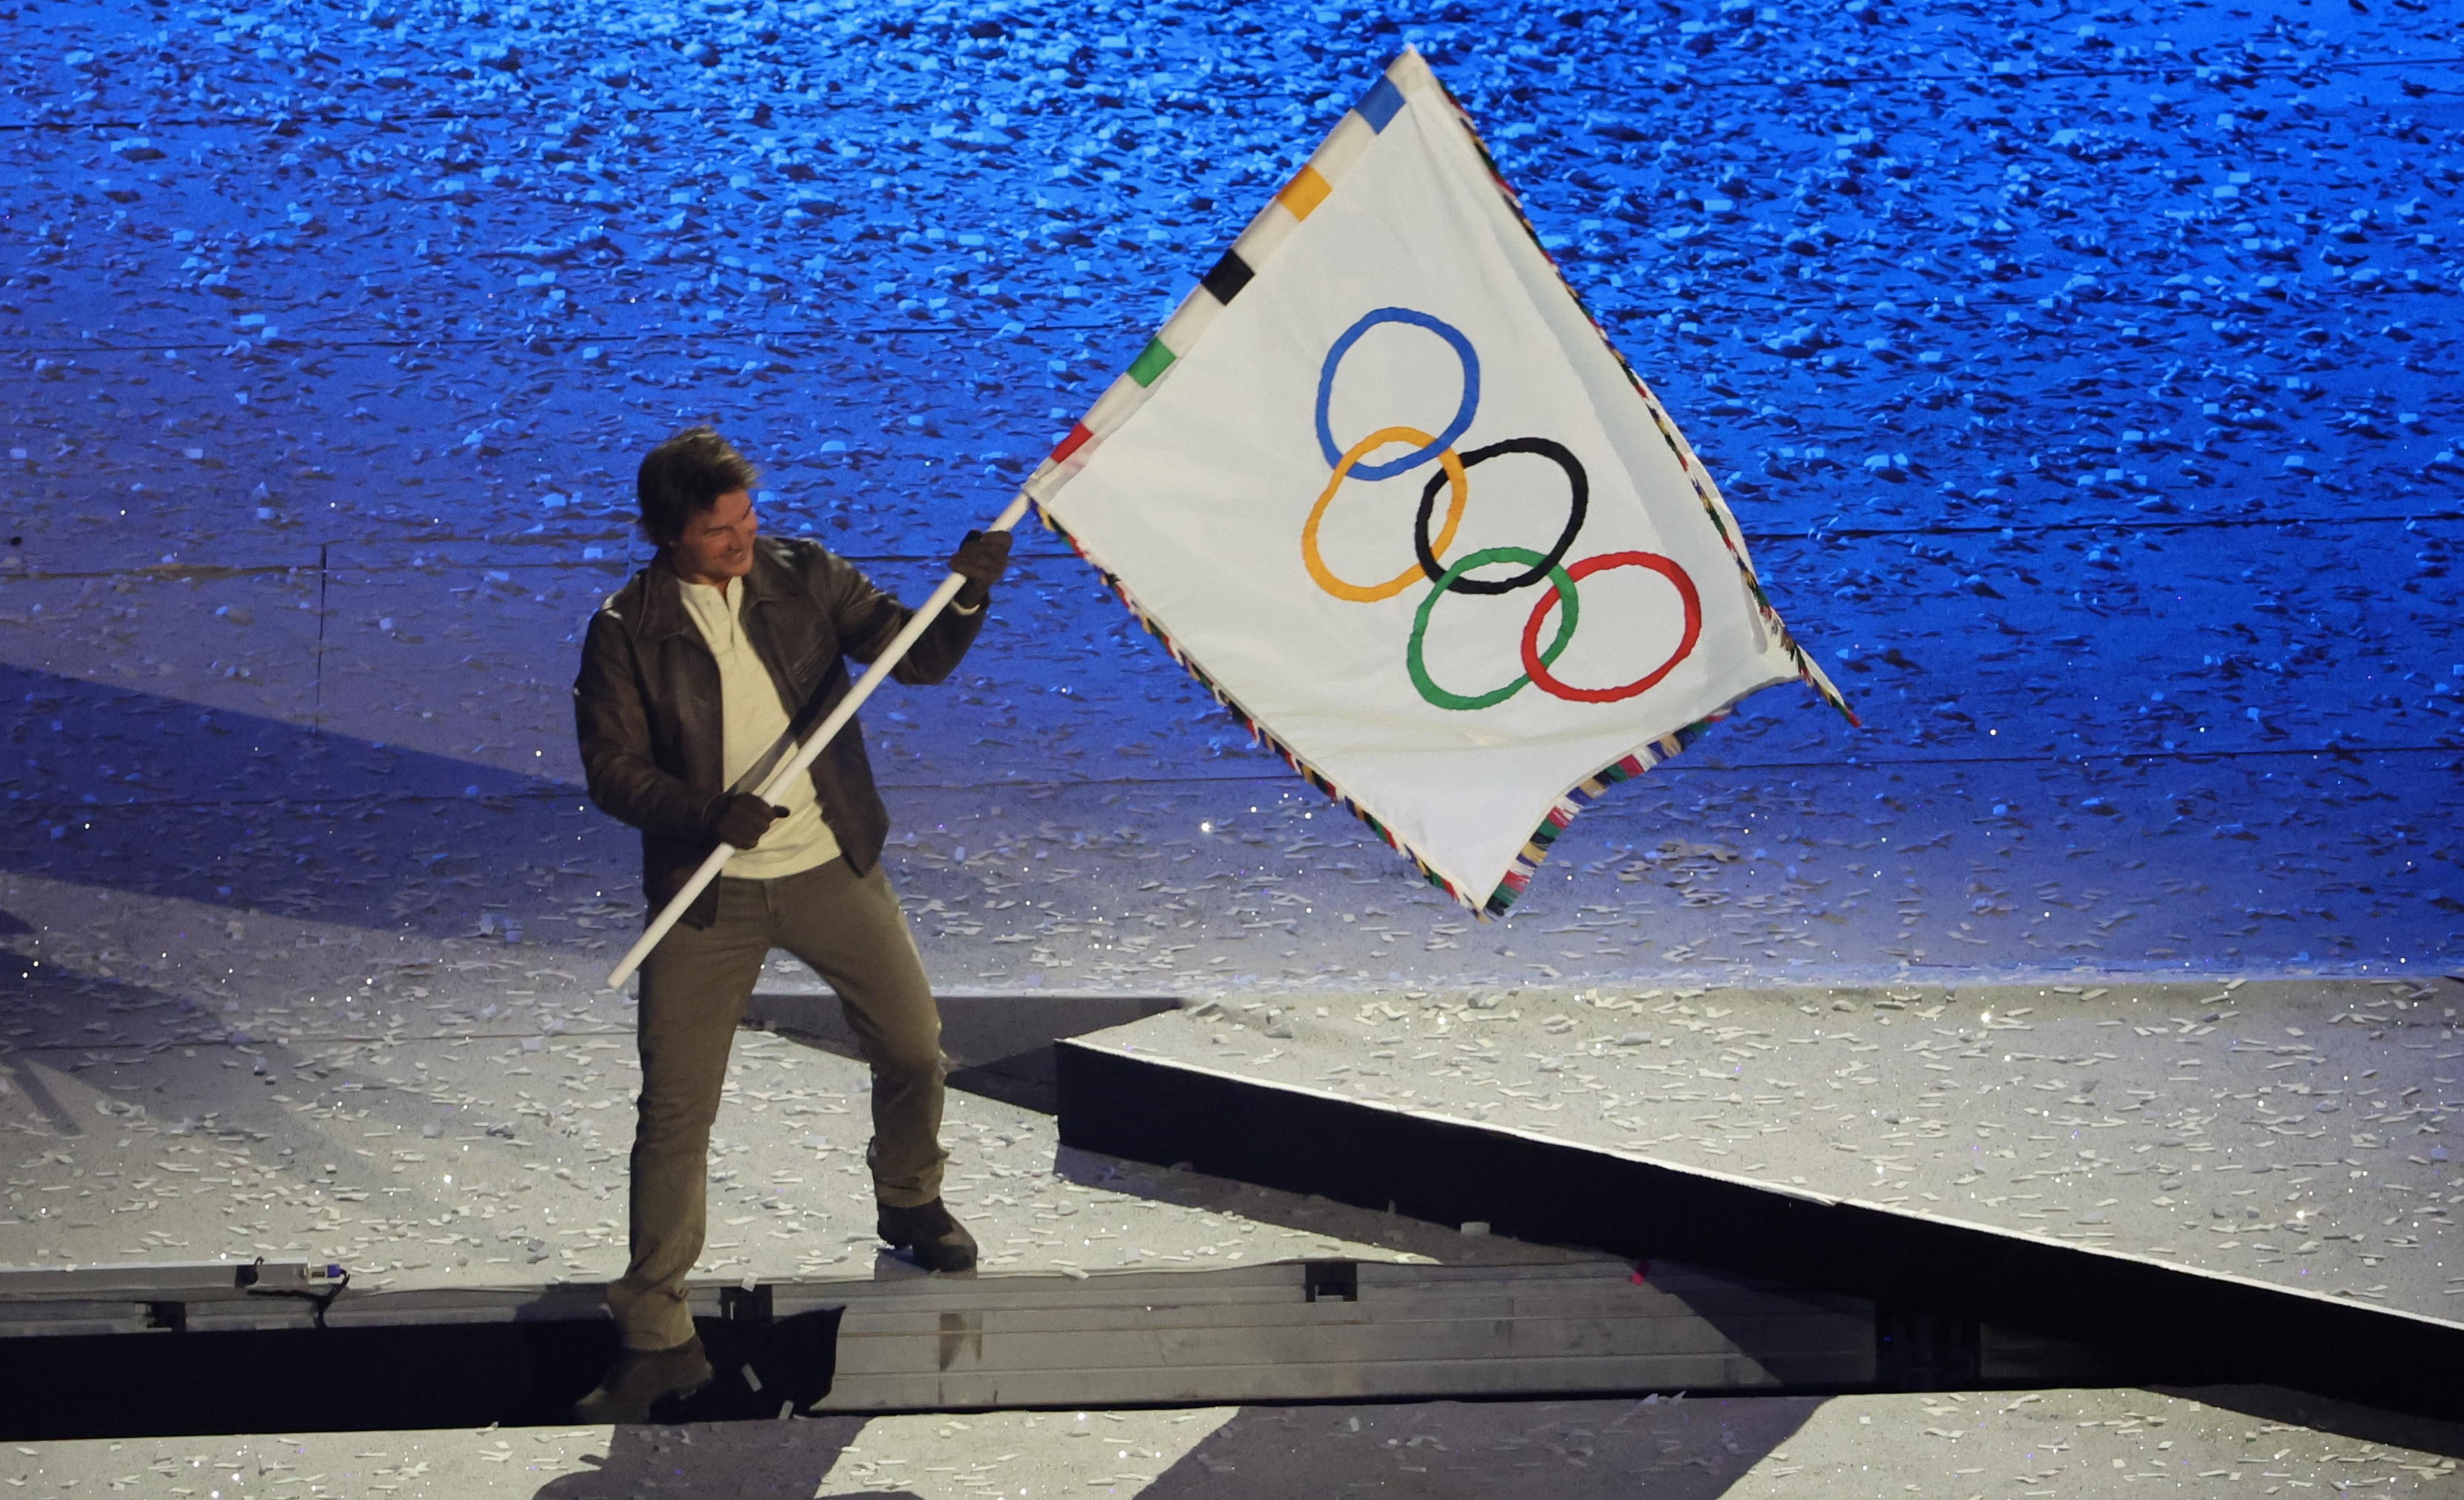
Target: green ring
1415, 663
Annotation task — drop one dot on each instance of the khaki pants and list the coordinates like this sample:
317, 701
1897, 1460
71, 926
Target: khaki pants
694, 986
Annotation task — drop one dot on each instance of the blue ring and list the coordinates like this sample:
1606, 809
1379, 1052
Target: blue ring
1420, 456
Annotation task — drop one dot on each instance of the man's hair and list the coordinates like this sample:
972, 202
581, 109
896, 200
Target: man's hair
687, 473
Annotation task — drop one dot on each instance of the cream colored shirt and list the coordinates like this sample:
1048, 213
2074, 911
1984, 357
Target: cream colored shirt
755, 734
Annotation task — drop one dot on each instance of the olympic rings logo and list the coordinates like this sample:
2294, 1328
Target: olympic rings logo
1453, 477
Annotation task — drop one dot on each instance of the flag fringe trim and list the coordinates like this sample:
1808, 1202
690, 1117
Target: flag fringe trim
1525, 864
1705, 490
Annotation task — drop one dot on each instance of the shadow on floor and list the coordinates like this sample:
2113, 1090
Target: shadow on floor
518, 1373
695, 1460
89, 1056
2326, 1414
999, 1045
135, 792
1458, 1450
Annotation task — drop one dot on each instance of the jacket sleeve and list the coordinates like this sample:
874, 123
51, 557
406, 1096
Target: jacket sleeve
614, 730
867, 619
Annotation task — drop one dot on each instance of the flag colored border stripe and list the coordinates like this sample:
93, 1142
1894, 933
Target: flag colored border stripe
1150, 362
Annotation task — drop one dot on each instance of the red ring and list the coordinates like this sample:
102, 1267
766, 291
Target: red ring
1538, 671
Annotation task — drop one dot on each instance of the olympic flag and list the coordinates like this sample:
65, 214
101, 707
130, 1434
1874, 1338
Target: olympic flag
1384, 485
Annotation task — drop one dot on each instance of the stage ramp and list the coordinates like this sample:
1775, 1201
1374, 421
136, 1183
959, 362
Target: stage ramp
2210, 1181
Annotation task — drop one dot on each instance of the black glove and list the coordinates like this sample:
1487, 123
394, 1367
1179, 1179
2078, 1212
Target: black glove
740, 818
983, 557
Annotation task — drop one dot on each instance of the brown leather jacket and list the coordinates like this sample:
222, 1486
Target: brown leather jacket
645, 705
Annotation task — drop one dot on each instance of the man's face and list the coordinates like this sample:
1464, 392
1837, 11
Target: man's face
717, 543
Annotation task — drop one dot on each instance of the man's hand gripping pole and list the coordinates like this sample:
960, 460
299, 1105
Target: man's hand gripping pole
801, 761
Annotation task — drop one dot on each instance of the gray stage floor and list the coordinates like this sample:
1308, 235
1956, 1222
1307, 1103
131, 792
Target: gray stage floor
2069, 1442
2288, 1133
454, 1153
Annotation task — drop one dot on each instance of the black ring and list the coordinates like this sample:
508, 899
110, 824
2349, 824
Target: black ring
1578, 486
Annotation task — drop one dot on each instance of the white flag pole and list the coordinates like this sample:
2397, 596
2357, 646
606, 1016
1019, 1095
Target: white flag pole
801, 761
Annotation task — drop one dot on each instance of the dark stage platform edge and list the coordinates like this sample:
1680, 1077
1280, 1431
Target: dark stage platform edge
2165, 1322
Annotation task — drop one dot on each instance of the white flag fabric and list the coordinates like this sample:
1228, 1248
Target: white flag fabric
1387, 490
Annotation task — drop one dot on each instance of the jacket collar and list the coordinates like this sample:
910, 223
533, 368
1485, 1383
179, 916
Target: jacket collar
663, 603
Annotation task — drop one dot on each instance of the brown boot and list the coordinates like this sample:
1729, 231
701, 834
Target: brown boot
939, 1241
642, 1377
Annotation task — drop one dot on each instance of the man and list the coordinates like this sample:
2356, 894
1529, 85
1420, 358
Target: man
697, 679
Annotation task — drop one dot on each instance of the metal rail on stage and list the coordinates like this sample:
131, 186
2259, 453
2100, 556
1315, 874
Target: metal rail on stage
1291, 1330
142, 1297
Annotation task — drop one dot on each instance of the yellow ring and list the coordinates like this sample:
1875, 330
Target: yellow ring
1459, 487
